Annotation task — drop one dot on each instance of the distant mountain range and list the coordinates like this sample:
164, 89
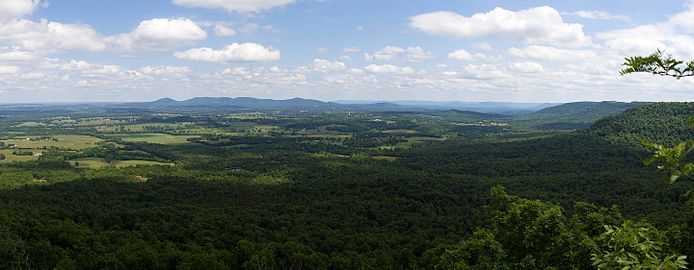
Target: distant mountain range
248, 103
485, 107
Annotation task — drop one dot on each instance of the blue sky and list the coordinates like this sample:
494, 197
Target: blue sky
524, 51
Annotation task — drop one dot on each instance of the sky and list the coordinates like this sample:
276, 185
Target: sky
436, 50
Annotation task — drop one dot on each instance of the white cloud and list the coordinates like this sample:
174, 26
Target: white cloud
244, 52
389, 53
598, 15
237, 71
16, 55
526, 67
482, 46
33, 76
484, 72
392, 53
351, 50
11, 9
160, 34
540, 25
388, 69
164, 70
223, 31
416, 54
4, 70
45, 36
235, 5
547, 53
322, 65
82, 67
672, 35
461, 55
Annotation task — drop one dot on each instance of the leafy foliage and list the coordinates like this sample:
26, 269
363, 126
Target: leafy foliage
658, 63
631, 246
675, 159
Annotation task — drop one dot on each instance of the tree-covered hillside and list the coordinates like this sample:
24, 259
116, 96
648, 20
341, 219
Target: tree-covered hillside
575, 115
665, 123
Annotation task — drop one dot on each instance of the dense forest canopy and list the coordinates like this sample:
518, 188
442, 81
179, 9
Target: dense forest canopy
334, 190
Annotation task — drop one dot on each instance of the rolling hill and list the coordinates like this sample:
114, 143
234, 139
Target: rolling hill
571, 116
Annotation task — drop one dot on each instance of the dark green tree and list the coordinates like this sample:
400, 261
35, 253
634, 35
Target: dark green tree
671, 159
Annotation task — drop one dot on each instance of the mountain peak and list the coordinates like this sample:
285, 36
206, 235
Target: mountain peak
165, 100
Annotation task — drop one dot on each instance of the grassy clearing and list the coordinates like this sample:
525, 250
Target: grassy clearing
400, 131
85, 122
9, 157
68, 142
95, 163
248, 116
386, 158
132, 163
412, 141
91, 163
328, 155
30, 124
158, 138
146, 127
240, 125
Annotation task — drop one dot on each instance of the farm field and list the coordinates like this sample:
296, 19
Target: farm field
9, 157
411, 141
94, 163
156, 138
68, 142
139, 128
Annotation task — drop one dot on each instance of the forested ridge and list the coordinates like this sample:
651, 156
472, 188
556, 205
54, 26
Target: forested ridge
483, 200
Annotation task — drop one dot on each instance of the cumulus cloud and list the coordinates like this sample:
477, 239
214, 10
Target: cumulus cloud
164, 70
160, 34
16, 55
234, 5
4, 70
392, 53
598, 15
237, 71
11, 9
526, 67
223, 31
45, 37
547, 53
322, 65
388, 69
540, 25
79, 66
672, 35
351, 50
48, 36
244, 52
461, 55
